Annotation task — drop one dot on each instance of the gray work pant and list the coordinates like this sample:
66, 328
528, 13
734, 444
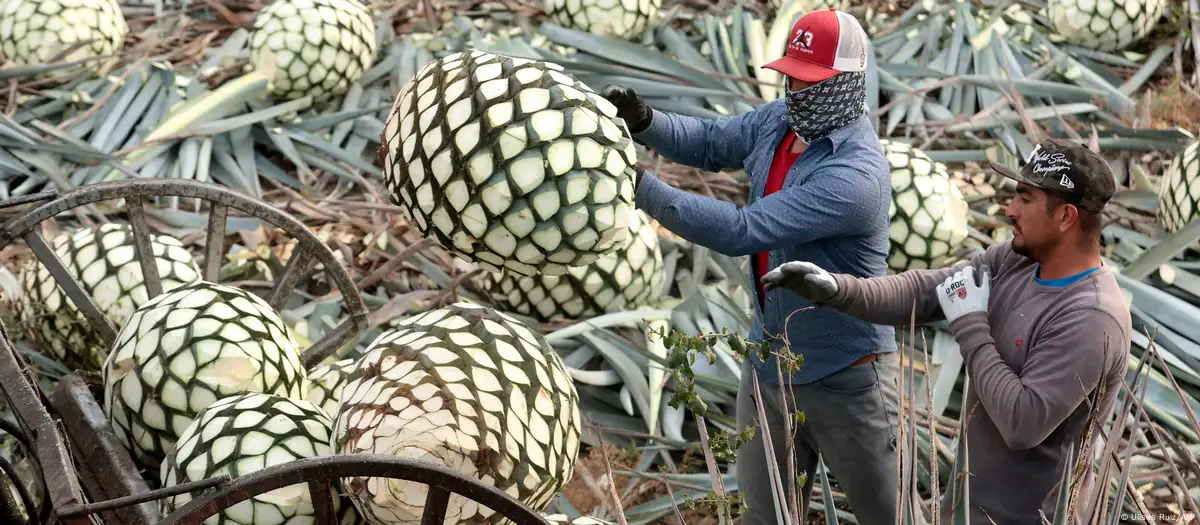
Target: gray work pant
850, 420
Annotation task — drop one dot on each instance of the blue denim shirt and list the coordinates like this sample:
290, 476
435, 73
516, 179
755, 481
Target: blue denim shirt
831, 211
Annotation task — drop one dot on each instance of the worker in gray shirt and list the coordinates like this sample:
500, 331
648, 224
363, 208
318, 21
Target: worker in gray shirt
1041, 324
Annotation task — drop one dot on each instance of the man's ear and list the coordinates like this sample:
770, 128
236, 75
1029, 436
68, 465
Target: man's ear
1067, 217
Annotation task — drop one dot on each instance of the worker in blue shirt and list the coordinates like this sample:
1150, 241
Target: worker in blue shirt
820, 192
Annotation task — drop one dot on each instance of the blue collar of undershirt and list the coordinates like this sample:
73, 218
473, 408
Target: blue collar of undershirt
1062, 281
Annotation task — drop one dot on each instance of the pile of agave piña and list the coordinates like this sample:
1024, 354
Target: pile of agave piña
206, 379
509, 163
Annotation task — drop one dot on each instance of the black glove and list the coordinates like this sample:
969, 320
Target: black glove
630, 107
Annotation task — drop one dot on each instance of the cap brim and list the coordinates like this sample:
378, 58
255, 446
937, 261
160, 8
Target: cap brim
1010, 173
803, 70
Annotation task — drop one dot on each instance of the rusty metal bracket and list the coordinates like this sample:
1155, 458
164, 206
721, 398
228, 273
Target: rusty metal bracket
49, 447
104, 465
320, 470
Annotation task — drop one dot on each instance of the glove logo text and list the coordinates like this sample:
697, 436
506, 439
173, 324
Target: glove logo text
959, 288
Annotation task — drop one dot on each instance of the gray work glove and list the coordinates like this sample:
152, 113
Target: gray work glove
804, 279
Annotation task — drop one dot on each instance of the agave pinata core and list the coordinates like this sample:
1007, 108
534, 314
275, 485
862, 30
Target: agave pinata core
469, 388
241, 434
104, 262
510, 163
33, 32
184, 350
631, 278
326, 383
1179, 190
320, 47
928, 214
626, 19
1105, 25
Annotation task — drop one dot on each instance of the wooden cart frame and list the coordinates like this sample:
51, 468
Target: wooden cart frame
68, 429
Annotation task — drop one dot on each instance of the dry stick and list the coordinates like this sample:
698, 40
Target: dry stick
935, 490
674, 504
108, 93
793, 497
1138, 501
623, 432
1031, 126
590, 481
711, 462
392, 264
792, 493
1083, 461
1124, 464
1161, 440
911, 487
664, 479
226, 13
768, 450
1171, 377
900, 414
943, 129
612, 482
11, 107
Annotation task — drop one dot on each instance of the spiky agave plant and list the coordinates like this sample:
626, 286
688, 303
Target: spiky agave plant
184, 350
469, 388
510, 163
319, 47
104, 262
34, 32
630, 278
626, 19
245, 433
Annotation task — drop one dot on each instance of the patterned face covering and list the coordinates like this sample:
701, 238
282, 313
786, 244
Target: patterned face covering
818, 110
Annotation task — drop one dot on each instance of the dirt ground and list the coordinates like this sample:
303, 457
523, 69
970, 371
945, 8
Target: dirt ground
1174, 105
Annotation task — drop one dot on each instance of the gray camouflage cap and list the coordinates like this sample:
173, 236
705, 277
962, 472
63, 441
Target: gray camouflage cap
1073, 172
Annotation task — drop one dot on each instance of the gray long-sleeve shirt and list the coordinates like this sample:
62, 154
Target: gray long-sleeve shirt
1034, 359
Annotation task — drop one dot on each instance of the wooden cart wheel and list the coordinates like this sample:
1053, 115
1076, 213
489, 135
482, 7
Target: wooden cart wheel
318, 472
134, 192
107, 471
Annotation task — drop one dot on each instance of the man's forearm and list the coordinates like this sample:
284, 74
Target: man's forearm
890, 300
708, 144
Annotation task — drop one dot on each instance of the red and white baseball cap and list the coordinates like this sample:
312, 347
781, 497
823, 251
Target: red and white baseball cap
822, 44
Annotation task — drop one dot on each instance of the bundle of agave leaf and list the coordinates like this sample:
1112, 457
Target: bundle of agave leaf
952, 86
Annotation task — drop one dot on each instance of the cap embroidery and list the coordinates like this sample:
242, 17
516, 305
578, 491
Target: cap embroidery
1066, 182
803, 39
1033, 154
1050, 162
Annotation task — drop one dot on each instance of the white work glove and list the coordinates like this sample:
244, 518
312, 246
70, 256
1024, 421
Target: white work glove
802, 278
960, 294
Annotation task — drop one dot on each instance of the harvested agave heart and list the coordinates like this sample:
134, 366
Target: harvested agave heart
510, 163
186, 349
468, 388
